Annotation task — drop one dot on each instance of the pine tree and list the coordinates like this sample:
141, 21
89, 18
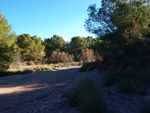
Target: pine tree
119, 16
31, 47
55, 43
7, 44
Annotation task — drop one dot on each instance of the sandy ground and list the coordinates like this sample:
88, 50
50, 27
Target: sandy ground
39, 92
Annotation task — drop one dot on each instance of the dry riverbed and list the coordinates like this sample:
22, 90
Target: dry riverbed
43, 92
39, 92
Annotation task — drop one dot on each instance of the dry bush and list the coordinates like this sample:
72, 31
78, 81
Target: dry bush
88, 55
18, 63
21, 63
57, 57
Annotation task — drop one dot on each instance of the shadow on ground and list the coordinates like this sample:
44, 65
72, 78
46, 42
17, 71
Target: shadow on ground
18, 91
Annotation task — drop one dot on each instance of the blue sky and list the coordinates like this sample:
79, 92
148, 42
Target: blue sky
45, 18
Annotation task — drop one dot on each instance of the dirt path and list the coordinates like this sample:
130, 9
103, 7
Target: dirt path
43, 92
39, 92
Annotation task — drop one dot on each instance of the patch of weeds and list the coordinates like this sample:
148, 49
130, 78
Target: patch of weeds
111, 77
126, 87
86, 97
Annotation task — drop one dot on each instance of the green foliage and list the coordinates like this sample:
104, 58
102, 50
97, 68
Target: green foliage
88, 66
119, 23
126, 86
55, 43
31, 47
7, 56
129, 81
86, 97
81, 48
7, 44
118, 15
77, 44
83, 68
90, 41
111, 77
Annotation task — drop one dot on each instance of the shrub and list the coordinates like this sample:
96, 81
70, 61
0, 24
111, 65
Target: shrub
88, 55
126, 86
111, 77
86, 97
58, 57
88, 66
129, 81
83, 68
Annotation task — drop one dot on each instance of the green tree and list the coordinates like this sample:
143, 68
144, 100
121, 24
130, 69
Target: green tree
90, 41
119, 23
55, 43
77, 44
123, 16
7, 44
31, 47
67, 47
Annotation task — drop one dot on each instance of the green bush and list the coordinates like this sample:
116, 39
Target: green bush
126, 86
86, 97
83, 68
88, 66
111, 77
129, 81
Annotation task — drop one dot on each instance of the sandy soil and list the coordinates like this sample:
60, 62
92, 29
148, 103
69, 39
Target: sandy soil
39, 92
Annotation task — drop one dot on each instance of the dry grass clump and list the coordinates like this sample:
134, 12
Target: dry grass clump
60, 57
89, 55
36, 68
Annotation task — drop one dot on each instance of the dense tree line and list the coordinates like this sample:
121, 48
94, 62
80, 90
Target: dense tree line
32, 48
123, 28
120, 25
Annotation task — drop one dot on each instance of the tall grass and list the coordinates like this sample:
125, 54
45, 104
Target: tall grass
86, 97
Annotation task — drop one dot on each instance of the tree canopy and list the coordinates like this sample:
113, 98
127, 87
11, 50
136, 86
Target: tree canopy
31, 47
7, 44
77, 44
119, 16
55, 43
